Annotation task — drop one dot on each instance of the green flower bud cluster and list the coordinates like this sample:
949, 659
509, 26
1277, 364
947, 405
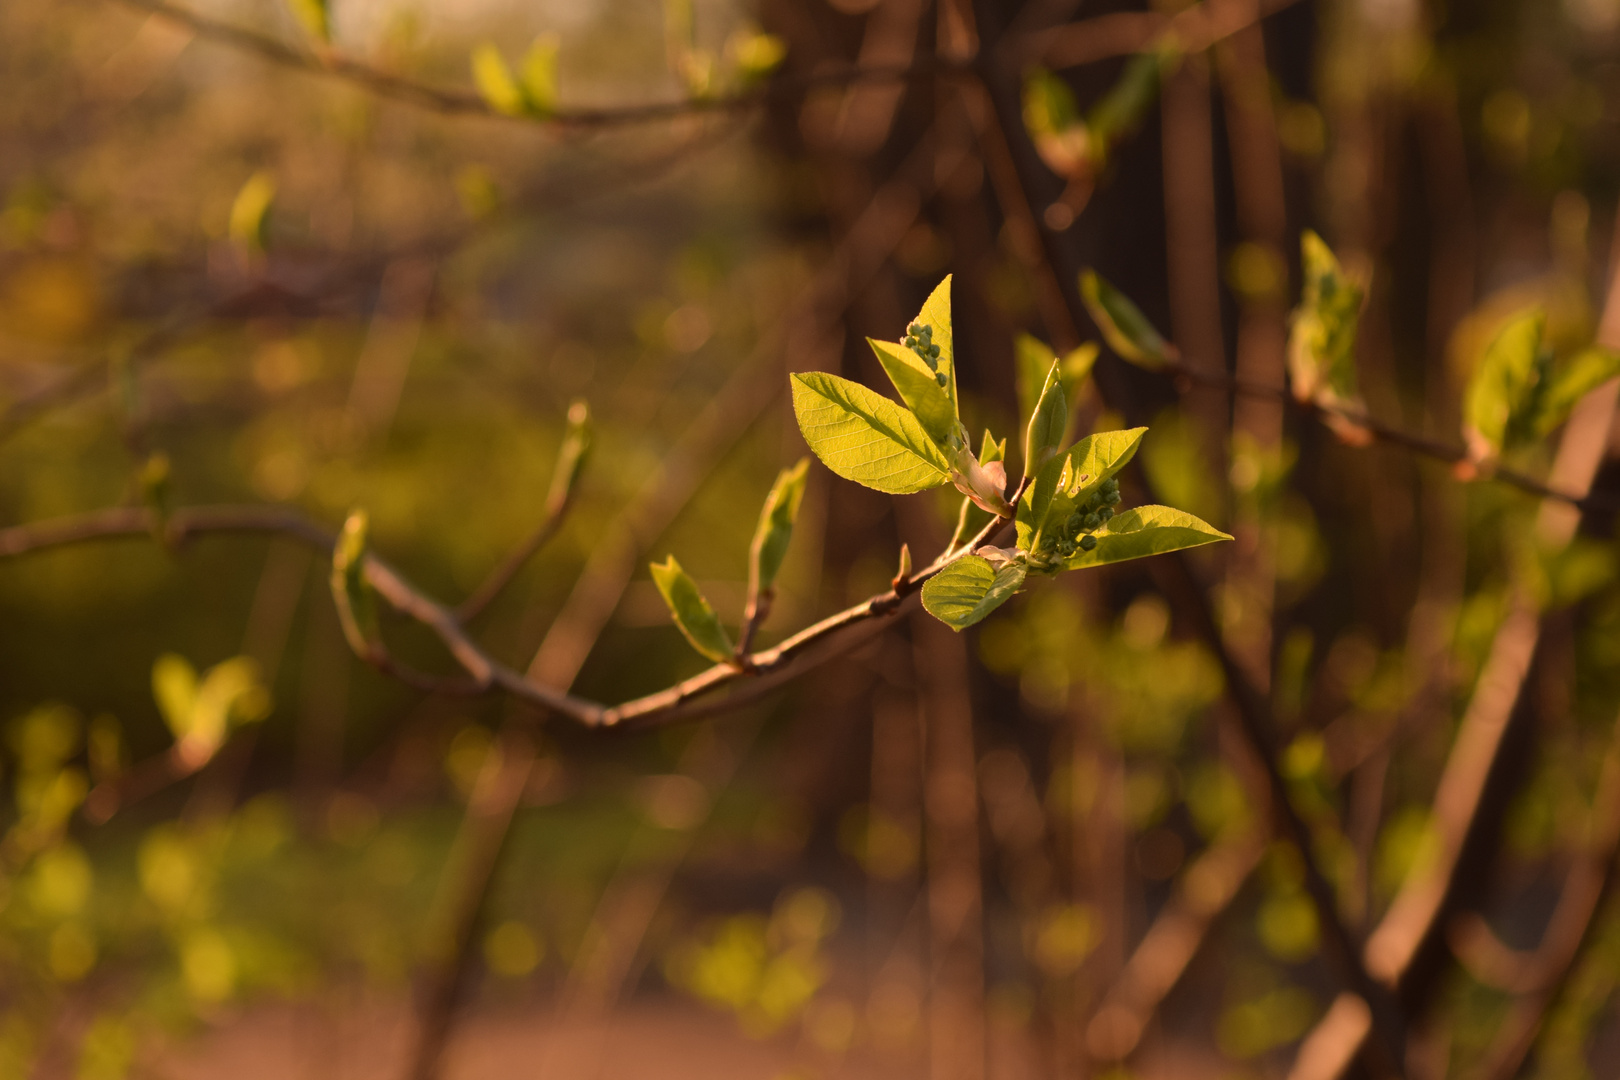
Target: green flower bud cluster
1075, 533
920, 340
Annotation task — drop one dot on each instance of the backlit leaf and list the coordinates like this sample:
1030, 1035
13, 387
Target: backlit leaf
1127, 330
969, 589
1071, 477
863, 436
920, 390
1503, 387
775, 527
1143, 531
692, 613
1047, 422
1322, 330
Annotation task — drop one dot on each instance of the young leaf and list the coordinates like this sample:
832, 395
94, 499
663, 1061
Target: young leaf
692, 613
1052, 118
495, 82
969, 589
920, 390
1046, 423
1077, 364
775, 528
576, 446
538, 80
250, 212
1583, 373
174, 687
990, 450
314, 17
356, 605
1503, 385
1122, 323
1322, 330
936, 315
755, 55
1070, 478
232, 693
1146, 530
863, 436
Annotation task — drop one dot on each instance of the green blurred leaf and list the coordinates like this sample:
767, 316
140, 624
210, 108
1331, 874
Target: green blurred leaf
576, 447
1052, 119
1502, 389
1322, 330
1128, 100
921, 391
865, 437
1047, 422
495, 81
691, 612
250, 212
356, 604
775, 529
314, 17
1146, 530
1579, 376
969, 589
991, 450
1122, 323
174, 686
1071, 477
538, 76
755, 55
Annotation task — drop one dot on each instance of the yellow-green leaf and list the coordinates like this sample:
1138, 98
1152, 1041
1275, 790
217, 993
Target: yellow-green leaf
863, 436
936, 315
495, 82
691, 612
1071, 477
1127, 330
250, 212
969, 589
1502, 389
1579, 376
314, 17
1143, 531
1322, 330
920, 389
174, 687
775, 529
356, 605
1047, 422
538, 79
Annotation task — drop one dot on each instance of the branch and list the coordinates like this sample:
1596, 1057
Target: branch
808, 648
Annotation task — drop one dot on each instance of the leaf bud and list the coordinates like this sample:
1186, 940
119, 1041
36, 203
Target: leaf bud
1088, 542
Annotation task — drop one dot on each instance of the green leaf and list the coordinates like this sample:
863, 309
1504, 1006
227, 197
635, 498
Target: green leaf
1127, 101
174, 687
538, 79
775, 527
356, 604
1322, 330
495, 82
1503, 387
921, 391
576, 447
250, 212
1077, 365
863, 436
990, 450
692, 613
969, 589
1146, 530
936, 315
232, 693
1123, 325
314, 17
1071, 477
1046, 423
1584, 372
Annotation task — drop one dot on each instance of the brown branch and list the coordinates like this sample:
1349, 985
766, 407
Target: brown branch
1253, 709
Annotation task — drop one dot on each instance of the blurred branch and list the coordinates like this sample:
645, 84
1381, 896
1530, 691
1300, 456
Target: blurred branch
1202, 893
1403, 950
664, 706
1546, 972
1073, 45
1253, 709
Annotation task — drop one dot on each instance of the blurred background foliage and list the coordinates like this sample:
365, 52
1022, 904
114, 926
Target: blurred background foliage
224, 280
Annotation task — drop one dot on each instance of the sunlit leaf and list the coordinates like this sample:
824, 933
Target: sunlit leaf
1502, 388
1322, 331
314, 17
691, 612
1143, 531
538, 76
495, 81
969, 589
936, 315
1577, 377
991, 450
775, 529
250, 212
755, 55
863, 436
1047, 422
174, 686
920, 389
1071, 477
1127, 330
